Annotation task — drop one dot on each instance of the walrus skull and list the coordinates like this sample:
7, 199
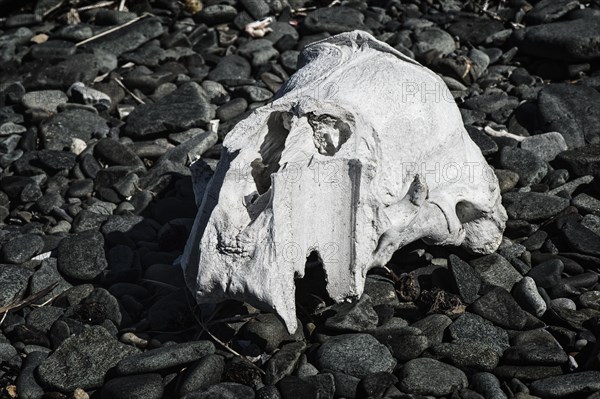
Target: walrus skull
362, 151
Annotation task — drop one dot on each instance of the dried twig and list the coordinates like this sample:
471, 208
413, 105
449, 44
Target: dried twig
97, 5
223, 344
20, 304
111, 30
136, 98
122, 5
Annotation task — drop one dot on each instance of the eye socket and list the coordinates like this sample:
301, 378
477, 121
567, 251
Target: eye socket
329, 132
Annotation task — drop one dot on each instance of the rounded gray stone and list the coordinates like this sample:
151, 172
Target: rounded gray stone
355, 354
425, 376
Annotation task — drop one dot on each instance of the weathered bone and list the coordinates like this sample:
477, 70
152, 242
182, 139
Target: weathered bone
362, 151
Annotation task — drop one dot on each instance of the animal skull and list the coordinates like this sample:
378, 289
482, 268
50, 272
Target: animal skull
362, 151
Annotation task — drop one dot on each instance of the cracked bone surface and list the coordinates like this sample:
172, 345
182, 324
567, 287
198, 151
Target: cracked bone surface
361, 152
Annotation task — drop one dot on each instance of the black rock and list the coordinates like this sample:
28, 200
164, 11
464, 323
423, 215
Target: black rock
82, 360
490, 103
22, 248
27, 385
569, 41
376, 384
268, 392
355, 354
583, 161
466, 279
81, 67
335, 20
549, 10
567, 385
58, 131
165, 357
545, 146
44, 277
128, 38
469, 355
533, 207
587, 204
471, 327
425, 376
259, 51
295, 388
580, 238
13, 283
499, 307
530, 168
535, 347
183, 109
433, 327
559, 110
268, 332
81, 256
488, 385
526, 373
483, 141
231, 67
218, 14
45, 100
475, 30
223, 390
547, 274
324, 384
495, 270
232, 109
116, 153
202, 374
433, 39
43, 317
283, 362
256, 8
143, 386
405, 342
353, 317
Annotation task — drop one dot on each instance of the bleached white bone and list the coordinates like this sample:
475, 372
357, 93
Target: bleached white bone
362, 151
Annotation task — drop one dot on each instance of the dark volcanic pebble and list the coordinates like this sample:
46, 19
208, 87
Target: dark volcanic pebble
576, 40
223, 390
27, 385
334, 20
568, 385
22, 248
143, 386
59, 131
530, 168
13, 283
431, 377
81, 256
355, 354
82, 360
499, 307
559, 110
165, 357
185, 108
202, 374
471, 327
533, 207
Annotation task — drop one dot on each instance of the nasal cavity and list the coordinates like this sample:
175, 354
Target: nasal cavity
270, 151
467, 212
329, 132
